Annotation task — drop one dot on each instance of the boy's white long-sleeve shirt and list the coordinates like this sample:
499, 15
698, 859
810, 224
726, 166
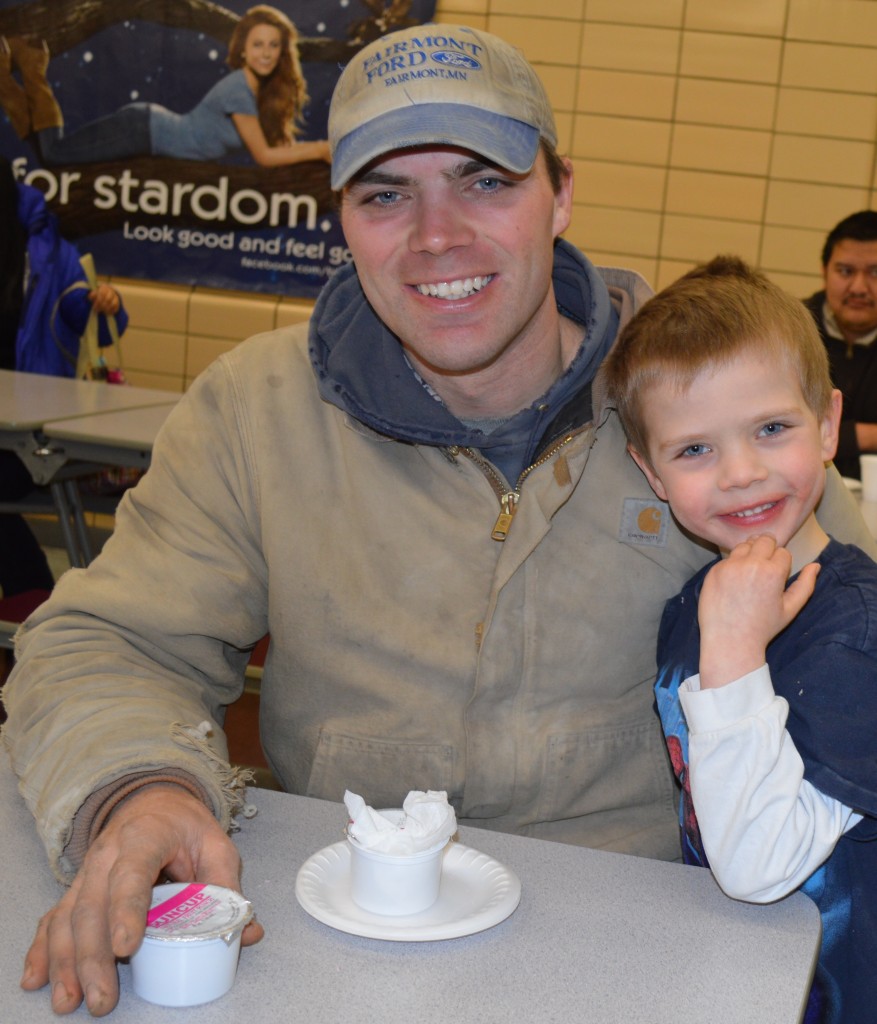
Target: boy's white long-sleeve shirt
765, 828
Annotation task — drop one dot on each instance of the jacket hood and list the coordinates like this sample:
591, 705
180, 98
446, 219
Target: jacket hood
32, 210
361, 368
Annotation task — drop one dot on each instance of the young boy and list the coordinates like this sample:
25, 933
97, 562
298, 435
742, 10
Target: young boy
767, 690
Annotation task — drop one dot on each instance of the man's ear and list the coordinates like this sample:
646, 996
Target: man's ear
650, 475
563, 201
830, 426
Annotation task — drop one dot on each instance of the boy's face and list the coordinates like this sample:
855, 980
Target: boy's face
740, 452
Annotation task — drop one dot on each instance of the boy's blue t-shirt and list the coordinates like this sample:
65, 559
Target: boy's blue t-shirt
825, 665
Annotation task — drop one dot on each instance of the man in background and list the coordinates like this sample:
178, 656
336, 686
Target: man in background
845, 312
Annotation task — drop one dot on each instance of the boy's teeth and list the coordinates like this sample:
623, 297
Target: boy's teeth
754, 511
455, 289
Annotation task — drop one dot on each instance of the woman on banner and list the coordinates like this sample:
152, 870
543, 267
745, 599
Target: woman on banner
254, 108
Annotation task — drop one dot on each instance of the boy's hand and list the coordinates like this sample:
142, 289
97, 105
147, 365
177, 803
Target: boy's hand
744, 604
105, 300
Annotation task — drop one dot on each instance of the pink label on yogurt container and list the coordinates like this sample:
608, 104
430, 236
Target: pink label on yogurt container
169, 913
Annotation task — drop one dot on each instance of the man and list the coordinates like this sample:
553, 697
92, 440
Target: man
461, 571
845, 312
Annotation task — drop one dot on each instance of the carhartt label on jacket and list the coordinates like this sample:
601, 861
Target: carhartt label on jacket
644, 522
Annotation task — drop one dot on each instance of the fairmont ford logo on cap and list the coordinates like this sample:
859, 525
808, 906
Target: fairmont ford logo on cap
393, 67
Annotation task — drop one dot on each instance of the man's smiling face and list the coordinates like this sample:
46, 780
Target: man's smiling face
455, 256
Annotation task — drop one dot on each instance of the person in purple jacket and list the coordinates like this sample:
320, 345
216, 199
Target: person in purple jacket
44, 307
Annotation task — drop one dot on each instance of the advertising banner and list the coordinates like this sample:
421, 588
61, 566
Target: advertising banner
182, 140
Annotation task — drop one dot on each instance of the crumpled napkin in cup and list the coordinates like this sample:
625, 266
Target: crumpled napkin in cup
427, 819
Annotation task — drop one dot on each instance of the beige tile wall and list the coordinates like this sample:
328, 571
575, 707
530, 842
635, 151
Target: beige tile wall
174, 332
695, 127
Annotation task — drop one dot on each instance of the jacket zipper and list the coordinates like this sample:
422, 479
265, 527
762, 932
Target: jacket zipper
508, 500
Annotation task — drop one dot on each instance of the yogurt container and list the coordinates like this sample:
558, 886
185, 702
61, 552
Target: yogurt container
189, 954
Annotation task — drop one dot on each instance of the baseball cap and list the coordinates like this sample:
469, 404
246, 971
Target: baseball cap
436, 84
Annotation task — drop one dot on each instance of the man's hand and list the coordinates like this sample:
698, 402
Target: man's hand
744, 604
160, 830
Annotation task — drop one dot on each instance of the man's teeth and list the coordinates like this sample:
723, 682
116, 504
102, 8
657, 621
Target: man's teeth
458, 289
754, 511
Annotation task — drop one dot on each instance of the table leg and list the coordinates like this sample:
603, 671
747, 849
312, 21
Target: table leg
65, 494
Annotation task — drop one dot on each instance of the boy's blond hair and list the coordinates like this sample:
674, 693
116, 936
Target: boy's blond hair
705, 319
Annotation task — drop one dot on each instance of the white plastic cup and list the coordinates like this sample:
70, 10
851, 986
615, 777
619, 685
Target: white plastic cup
395, 884
189, 954
868, 467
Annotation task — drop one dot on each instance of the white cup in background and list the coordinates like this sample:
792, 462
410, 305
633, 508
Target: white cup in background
868, 465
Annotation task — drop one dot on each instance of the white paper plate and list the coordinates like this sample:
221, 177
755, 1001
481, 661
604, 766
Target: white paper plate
477, 892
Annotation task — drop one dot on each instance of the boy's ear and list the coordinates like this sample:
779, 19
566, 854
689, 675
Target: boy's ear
830, 426
649, 473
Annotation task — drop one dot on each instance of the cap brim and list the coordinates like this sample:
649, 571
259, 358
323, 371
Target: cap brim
510, 144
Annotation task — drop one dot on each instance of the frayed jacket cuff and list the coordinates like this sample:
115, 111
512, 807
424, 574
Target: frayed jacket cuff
93, 815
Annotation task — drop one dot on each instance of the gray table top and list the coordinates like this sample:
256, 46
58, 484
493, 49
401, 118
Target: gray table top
53, 421
597, 937
120, 428
28, 400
